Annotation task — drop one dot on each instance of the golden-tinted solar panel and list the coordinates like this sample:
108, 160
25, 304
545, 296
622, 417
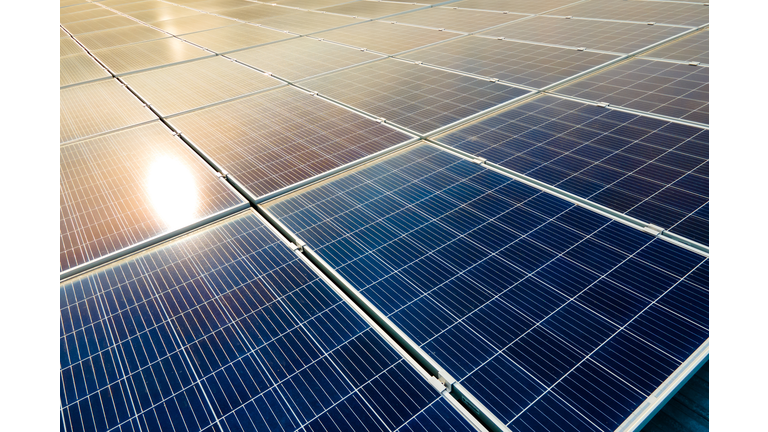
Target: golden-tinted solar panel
311, 4
461, 20
516, 62
424, 2
146, 55
193, 23
62, 33
660, 12
218, 5
300, 58
519, 6
418, 98
79, 68
594, 35
97, 24
235, 37
85, 15
94, 108
256, 13
119, 36
68, 46
277, 138
124, 188
690, 48
78, 8
386, 38
127, 8
308, 22
191, 85
70, 3
162, 14
659, 87
370, 9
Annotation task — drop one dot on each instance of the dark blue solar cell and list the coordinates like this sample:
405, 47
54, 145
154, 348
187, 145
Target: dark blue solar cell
556, 237
659, 214
616, 199
566, 276
689, 301
668, 331
551, 413
459, 349
600, 396
670, 258
527, 255
595, 255
612, 302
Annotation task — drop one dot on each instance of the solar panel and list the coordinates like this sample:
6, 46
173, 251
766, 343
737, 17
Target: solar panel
147, 55
693, 48
256, 12
235, 37
674, 13
123, 189
162, 14
610, 36
670, 89
68, 46
85, 15
308, 22
650, 169
78, 8
193, 23
418, 98
281, 137
62, 34
176, 338
519, 63
120, 36
187, 86
309, 4
99, 107
300, 58
215, 6
370, 9
551, 315
519, 6
97, 24
461, 20
79, 68
386, 38
129, 7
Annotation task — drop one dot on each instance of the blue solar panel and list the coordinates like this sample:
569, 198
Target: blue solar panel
227, 329
553, 316
651, 169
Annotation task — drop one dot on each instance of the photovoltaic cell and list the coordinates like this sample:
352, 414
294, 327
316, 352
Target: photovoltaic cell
461, 20
419, 98
215, 6
670, 89
174, 89
618, 37
301, 58
235, 37
256, 13
386, 38
68, 46
77, 8
94, 108
120, 36
129, 7
193, 23
229, 330
370, 9
650, 169
306, 22
147, 55
79, 68
121, 189
515, 62
106, 23
310, 4
162, 14
85, 15
664, 13
551, 315
690, 48
519, 6
275, 139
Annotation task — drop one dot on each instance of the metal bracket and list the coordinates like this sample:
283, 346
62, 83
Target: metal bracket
603, 104
314, 93
500, 38
652, 229
651, 23
381, 120
393, 22
581, 49
176, 133
268, 73
479, 160
694, 63
363, 49
320, 39
418, 62
505, 12
441, 29
298, 246
569, 17
222, 174
493, 80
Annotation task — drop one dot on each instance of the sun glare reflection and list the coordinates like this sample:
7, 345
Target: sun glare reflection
172, 191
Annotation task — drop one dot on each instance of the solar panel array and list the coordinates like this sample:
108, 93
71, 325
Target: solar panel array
381, 215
